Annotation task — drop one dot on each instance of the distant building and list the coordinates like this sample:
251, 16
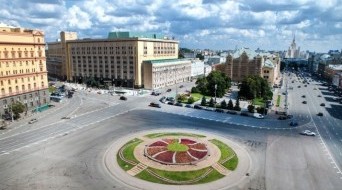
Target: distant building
167, 72
197, 67
116, 60
245, 62
23, 75
337, 80
207, 69
213, 60
293, 52
331, 71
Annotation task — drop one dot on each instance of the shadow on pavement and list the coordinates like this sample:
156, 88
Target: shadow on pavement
335, 111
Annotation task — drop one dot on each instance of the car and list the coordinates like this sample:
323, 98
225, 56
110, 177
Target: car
188, 106
168, 90
162, 99
65, 117
170, 99
322, 104
258, 116
319, 96
304, 102
289, 116
181, 86
198, 107
178, 104
171, 103
219, 110
34, 120
305, 85
244, 114
232, 112
307, 133
123, 98
315, 88
303, 96
208, 109
298, 86
293, 123
320, 114
156, 105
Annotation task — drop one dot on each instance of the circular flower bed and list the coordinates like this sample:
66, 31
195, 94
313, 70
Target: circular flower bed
176, 151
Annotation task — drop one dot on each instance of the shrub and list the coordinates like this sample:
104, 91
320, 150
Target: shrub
194, 90
224, 104
211, 102
230, 105
191, 100
204, 101
251, 108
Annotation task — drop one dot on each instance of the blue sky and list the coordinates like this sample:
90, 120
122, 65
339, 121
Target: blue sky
214, 24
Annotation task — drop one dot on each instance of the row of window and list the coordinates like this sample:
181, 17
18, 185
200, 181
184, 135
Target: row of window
18, 63
21, 71
20, 54
23, 88
28, 79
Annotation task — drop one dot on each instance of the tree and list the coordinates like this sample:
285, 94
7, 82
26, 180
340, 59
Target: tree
17, 109
255, 87
220, 80
204, 101
251, 108
181, 97
237, 105
194, 90
191, 100
223, 104
200, 56
211, 102
230, 105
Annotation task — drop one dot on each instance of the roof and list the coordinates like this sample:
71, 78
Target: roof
250, 53
158, 61
118, 35
268, 63
336, 67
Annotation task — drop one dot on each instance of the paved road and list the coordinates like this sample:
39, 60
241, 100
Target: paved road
68, 154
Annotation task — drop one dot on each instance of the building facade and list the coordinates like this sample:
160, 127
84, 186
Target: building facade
163, 73
116, 60
245, 62
197, 67
293, 52
23, 74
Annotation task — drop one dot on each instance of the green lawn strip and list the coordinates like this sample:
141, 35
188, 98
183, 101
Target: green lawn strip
125, 166
278, 100
232, 163
212, 176
179, 176
155, 135
226, 152
198, 96
258, 102
52, 89
128, 151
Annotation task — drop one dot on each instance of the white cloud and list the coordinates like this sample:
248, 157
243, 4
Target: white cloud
76, 18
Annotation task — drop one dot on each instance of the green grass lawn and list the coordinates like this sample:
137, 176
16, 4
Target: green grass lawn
180, 176
198, 96
155, 135
52, 89
128, 154
278, 100
258, 102
226, 152
177, 147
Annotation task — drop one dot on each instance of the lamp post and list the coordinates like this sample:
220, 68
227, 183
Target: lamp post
215, 95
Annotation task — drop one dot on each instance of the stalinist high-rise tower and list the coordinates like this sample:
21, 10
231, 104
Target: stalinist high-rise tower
293, 52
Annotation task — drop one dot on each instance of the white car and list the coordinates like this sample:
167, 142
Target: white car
308, 133
258, 115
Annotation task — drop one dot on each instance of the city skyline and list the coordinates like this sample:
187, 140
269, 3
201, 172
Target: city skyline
196, 24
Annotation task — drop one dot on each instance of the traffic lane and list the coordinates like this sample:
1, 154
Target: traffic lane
75, 160
298, 162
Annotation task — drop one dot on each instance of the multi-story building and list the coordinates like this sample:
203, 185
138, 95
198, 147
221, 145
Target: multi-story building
23, 75
245, 62
293, 52
197, 67
116, 60
166, 72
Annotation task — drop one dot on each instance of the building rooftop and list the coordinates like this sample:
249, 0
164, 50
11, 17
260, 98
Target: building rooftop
118, 35
268, 63
166, 61
336, 67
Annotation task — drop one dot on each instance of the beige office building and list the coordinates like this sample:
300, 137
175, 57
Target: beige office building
163, 73
23, 75
245, 62
116, 60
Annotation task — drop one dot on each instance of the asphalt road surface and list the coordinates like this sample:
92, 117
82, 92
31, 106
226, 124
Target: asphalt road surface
68, 154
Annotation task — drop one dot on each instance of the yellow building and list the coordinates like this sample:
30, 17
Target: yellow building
23, 74
116, 60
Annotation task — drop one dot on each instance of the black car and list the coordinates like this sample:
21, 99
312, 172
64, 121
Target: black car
293, 123
232, 112
181, 86
168, 90
298, 86
244, 114
289, 116
179, 104
303, 96
304, 102
219, 110
188, 106
319, 96
123, 98
198, 107
320, 114
282, 117
156, 105
322, 104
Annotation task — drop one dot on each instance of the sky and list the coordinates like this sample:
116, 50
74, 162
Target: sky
197, 24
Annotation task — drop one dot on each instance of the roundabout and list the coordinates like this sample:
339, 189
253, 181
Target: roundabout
161, 158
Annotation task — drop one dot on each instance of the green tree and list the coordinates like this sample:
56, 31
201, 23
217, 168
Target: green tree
200, 56
222, 82
194, 90
211, 102
230, 105
237, 105
191, 100
17, 109
181, 97
255, 87
251, 108
204, 101
224, 104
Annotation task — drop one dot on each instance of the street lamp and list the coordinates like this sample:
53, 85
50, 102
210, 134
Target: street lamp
215, 94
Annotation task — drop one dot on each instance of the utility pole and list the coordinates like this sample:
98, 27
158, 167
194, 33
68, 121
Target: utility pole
215, 94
